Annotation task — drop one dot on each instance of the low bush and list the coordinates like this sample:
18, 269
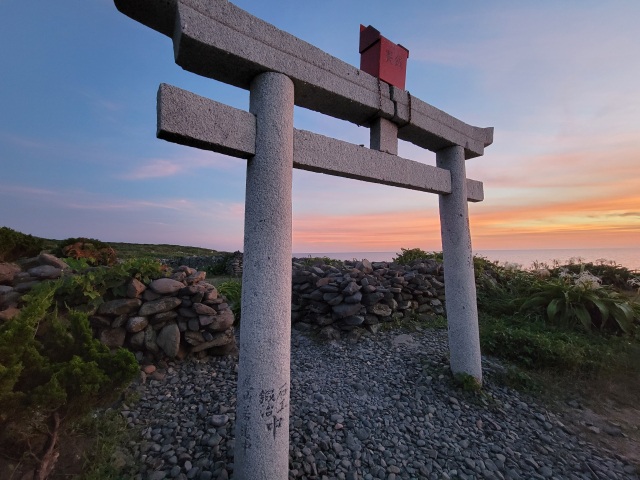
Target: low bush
313, 261
15, 245
409, 255
501, 290
220, 267
52, 371
579, 300
562, 321
89, 290
609, 272
91, 250
232, 290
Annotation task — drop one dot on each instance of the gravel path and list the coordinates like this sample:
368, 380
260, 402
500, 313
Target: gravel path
383, 408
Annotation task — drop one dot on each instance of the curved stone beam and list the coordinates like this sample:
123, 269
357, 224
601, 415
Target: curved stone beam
216, 39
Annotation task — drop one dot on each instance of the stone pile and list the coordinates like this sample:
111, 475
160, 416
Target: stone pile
17, 279
363, 294
229, 263
233, 266
173, 316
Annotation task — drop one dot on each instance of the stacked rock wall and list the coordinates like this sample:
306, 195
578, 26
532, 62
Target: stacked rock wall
184, 314
199, 262
364, 294
229, 263
174, 316
16, 279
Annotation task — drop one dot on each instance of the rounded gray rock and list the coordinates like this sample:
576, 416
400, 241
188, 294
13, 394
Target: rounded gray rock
165, 286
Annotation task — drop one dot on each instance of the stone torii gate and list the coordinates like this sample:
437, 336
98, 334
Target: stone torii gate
216, 39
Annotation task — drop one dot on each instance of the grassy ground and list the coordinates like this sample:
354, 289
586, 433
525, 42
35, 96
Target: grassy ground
126, 251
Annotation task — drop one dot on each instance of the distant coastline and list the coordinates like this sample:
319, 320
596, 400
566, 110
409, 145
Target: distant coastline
627, 257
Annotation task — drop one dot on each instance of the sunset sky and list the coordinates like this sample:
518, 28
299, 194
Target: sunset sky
559, 82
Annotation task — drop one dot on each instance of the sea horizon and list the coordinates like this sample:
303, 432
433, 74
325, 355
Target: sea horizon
626, 257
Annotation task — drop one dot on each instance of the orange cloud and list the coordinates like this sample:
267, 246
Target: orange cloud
367, 233
598, 222
595, 222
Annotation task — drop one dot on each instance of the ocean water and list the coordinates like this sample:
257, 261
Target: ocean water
626, 257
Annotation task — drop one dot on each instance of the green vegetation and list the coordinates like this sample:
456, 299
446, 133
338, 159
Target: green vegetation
553, 323
14, 245
313, 261
562, 320
143, 250
232, 291
108, 434
467, 382
409, 255
52, 371
89, 290
89, 250
583, 302
219, 268
537, 346
21, 245
608, 272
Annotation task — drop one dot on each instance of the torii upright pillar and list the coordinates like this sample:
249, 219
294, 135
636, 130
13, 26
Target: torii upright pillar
459, 277
262, 419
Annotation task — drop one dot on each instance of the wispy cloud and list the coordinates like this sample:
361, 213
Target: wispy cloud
25, 141
25, 191
102, 103
188, 162
79, 199
154, 168
177, 204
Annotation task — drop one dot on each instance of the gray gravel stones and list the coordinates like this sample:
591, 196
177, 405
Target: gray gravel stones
382, 408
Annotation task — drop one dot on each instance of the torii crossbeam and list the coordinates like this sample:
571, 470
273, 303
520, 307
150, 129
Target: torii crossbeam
216, 39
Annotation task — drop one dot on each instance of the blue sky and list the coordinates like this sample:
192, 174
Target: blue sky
558, 81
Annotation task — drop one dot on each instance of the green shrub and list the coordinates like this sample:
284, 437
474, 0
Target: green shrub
313, 261
109, 436
15, 245
409, 255
93, 251
500, 290
518, 379
220, 268
467, 382
232, 291
539, 324
92, 287
580, 300
609, 272
52, 371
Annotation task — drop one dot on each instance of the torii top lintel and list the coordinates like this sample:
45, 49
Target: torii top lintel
216, 39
